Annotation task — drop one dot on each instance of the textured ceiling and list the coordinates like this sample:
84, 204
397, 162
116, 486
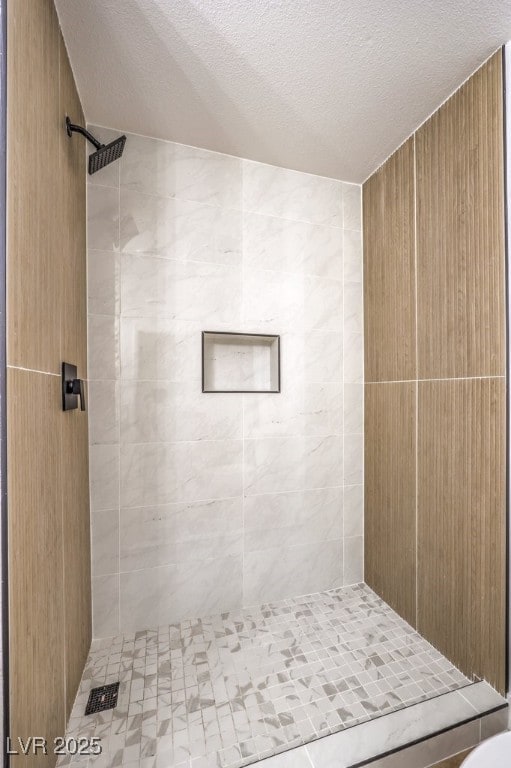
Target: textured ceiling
325, 86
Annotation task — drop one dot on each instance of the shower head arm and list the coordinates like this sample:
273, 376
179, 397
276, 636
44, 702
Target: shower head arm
71, 128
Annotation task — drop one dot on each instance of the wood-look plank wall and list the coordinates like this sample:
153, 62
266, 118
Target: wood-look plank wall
49, 540
445, 188
390, 563
460, 232
389, 272
390, 365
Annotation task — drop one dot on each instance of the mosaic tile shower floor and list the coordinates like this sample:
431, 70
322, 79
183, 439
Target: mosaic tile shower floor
228, 690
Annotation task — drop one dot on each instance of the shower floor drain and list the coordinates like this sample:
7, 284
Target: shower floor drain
102, 698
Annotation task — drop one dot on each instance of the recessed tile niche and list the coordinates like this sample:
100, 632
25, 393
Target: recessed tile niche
240, 362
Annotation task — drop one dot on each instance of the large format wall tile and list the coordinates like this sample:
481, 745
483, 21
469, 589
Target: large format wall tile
291, 246
178, 229
160, 348
169, 412
103, 218
163, 595
352, 256
273, 302
323, 304
105, 605
105, 541
103, 337
353, 454
176, 533
176, 170
291, 194
209, 481
351, 207
104, 282
313, 357
353, 358
353, 510
161, 473
180, 290
353, 572
292, 463
103, 403
274, 574
280, 301
104, 476
301, 409
353, 402
291, 519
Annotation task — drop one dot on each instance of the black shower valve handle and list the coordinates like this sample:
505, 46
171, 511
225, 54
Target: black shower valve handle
72, 388
77, 387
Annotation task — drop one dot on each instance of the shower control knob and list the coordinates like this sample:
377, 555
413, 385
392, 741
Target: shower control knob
72, 388
77, 387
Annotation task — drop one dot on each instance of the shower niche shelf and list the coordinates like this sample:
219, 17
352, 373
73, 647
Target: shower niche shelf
240, 362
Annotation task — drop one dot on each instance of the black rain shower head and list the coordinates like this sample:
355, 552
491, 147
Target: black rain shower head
104, 154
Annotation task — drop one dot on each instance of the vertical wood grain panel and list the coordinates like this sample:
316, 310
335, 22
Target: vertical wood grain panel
35, 559
49, 545
460, 232
390, 531
33, 127
389, 269
72, 230
460, 316
76, 547
461, 523
74, 448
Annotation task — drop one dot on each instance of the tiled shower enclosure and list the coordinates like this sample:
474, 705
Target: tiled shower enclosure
204, 503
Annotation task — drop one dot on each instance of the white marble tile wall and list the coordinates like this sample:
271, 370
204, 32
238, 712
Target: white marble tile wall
206, 502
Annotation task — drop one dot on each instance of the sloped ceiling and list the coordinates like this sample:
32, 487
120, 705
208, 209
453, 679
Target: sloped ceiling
326, 86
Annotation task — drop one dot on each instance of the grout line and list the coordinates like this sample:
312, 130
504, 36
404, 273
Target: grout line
117, 398
32, 370
363, 374
227, 265
191, 382
416, 385
308, 756
61, 427
295, 436
448, 378
231, 209
223, 326
87, 299
227, 556
343, 574
228, 498
243, 396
